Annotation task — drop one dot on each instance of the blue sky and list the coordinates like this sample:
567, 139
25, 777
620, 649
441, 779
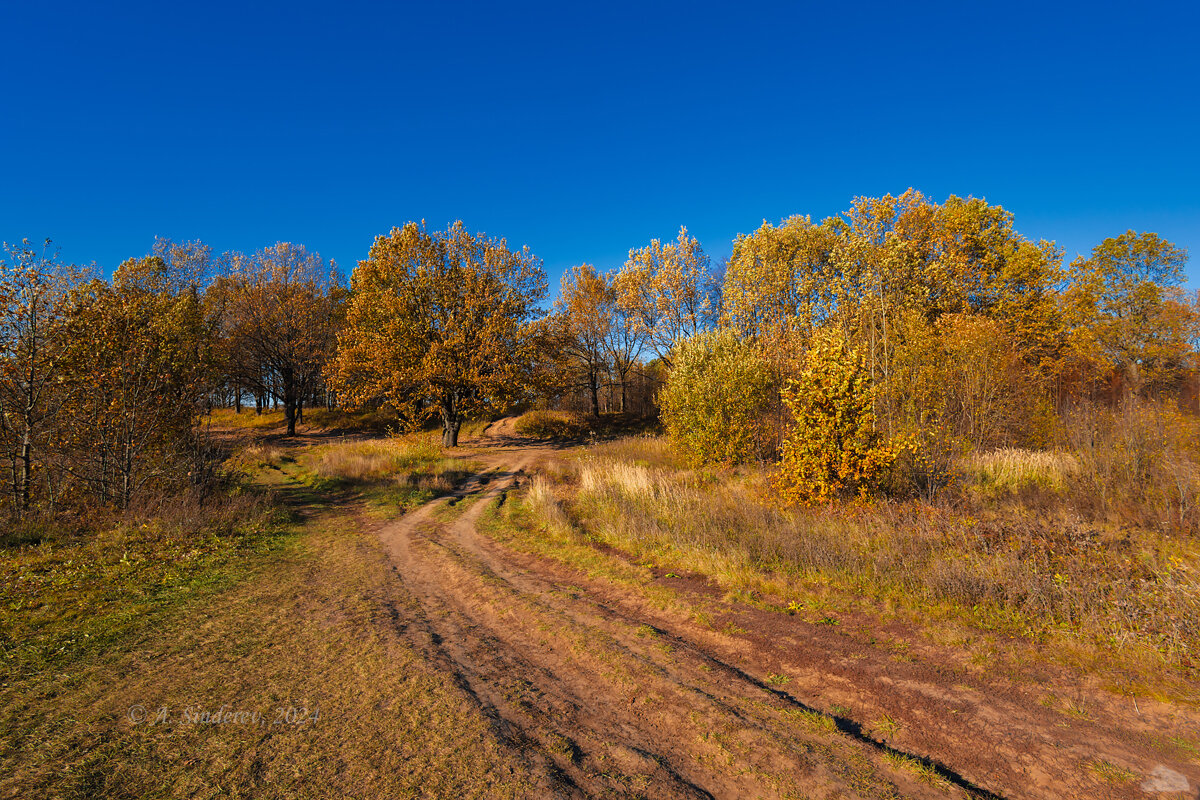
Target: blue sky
584, 129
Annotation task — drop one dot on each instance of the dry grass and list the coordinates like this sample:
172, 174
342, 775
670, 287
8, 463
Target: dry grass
1012, 469
68, 597
254, 457
641, 451
1036, 573
372, 460
391, 474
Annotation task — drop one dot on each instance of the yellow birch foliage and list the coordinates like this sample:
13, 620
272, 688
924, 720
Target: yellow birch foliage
666, 291
585, 310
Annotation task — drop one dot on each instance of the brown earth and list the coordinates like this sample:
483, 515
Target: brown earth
606, 692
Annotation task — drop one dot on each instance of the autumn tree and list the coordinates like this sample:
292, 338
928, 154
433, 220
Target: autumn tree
33, 335
439, 325
668, 291
139, 365
782, 277
884, 273
1126, 310
281, 315
903, 256
187, 266
623, 347
586, 309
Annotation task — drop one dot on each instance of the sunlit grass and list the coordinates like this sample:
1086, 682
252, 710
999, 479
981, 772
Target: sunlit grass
1013, 469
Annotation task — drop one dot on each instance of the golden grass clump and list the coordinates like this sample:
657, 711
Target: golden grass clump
372, 460
1012, 469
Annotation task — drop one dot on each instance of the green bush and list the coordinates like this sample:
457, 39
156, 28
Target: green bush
715, 397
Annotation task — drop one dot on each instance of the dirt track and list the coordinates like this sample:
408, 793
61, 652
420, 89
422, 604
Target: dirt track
605, 694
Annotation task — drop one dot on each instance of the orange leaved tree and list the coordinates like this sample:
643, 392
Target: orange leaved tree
439, 325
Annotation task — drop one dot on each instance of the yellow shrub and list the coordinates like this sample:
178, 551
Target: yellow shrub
833, 449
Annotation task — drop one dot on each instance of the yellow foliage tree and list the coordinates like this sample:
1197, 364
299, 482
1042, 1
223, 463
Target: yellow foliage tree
1126, 310
668, 292
781, 277
586, 313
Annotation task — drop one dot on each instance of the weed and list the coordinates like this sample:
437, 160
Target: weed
814, 720
1111, 773
886, 726
923, 772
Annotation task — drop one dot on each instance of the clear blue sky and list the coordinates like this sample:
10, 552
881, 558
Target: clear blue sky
584, 129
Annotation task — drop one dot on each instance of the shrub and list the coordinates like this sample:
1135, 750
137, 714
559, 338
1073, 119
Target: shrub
834, 448
715, 397
1137, 463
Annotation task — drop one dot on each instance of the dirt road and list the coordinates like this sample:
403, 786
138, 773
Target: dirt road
605, 693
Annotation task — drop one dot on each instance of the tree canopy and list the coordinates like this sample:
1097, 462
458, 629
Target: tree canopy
439, 325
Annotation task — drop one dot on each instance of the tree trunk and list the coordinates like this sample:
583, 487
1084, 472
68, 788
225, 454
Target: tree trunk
451, 422
450, 433
26, 470
593, 385
289, 401
237, 399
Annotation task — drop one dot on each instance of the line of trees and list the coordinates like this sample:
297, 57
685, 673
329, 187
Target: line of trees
958, 332
962, 332
104, 383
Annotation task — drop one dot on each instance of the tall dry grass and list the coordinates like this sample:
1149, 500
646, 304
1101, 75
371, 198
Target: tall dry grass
1013, 469
1001, 564
375, 459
